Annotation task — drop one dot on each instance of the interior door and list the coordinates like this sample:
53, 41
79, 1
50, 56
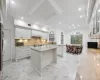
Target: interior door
7, 45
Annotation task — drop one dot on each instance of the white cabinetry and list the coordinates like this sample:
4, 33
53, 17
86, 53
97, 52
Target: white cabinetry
36, 33
60, 50
40, 34
22, 33
45, 35
23, 52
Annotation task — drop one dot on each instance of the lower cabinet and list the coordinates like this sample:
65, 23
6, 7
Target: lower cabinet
61, 50
23, 52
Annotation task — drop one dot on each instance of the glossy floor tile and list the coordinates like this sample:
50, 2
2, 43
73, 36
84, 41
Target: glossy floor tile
89, 68
63, 70
70, 67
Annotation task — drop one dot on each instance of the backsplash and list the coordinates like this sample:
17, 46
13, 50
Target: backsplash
23, 42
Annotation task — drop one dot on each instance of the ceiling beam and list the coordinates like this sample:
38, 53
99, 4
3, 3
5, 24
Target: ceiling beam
56, 7
34, 8
58, 10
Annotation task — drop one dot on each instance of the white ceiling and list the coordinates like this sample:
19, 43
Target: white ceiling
70, 14
46, 14
33, 10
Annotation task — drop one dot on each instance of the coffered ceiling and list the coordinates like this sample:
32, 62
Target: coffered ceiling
56, 13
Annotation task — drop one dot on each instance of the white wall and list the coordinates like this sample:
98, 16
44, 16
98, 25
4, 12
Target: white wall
67, 38
58, 36
57, 32
8, 22
85, 33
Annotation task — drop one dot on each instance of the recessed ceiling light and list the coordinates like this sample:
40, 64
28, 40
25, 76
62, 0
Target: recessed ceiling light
72, 24
12, 2
22, 18
99, 21
79, 9
59, 22
99, 10
81, 16
44, 29
78, 25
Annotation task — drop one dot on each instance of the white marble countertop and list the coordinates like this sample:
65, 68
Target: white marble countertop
44, 48
24, 46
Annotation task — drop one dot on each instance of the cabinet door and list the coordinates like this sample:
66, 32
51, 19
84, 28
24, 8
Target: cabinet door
22, 33
23, 52
45, 35
41, 34
60, 50
36, 33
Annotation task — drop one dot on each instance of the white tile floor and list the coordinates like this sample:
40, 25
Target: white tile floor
67, 68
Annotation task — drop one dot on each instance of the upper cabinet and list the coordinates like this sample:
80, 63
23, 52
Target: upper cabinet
40, 34
27, 33
22, 33
37, 33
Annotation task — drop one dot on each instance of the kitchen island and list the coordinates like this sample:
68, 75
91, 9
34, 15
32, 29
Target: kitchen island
43, 56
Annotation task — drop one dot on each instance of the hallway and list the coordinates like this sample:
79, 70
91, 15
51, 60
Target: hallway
70, 67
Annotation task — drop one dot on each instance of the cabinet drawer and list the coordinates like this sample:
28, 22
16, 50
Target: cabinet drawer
22, 52
27, 55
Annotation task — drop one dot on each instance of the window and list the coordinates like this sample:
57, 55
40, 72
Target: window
76, 39
94, 25
98, 19
62, 36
